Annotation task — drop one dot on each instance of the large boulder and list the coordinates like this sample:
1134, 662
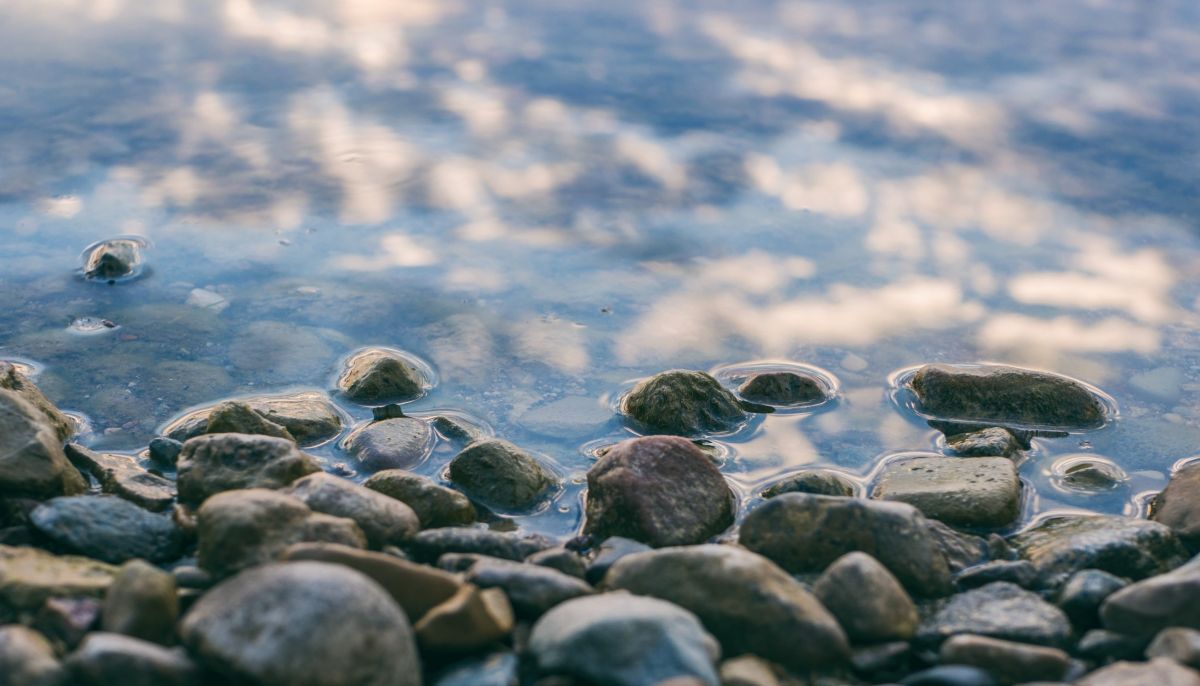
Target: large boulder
379, 375
308, 416
434, 504
385, 521
397, 443
11, 379
1132, 548
213, 463
303, 624
107, 528
29, 576
747, 602
32, 462
684, 403
979, 492
661, 490
1178, 506
1006, 395
1150, 605
501, 475
998, 610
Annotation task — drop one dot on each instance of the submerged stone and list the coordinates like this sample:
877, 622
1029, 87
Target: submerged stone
999, 393
397, 443
379, 375
815, 481
1131, 548
994, 440
977, 492
685, 403
782, 388
116, 258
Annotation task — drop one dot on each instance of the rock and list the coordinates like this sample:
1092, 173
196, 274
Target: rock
28, 577
435, 505
379, 375
994, 440
32, 462
1008, 662
235, 417
683, 403
1102, 646
748, 603
501, 475
1019, 572
308, 416
11, 379
67, 620
115, 258
1089, 476
532, 589
998, 610
979, 492
141, 602
1149, 606
497, 669
960, 549
623, 640
385, 521
562, 559
289, 609
1126, 547
661, 490
999, 393
1178, 506
805, 533
471, 619
240, 529
121, 476
1083, 594
458, 430
27, 658
1159, 671
608, 553
214, 463
882, 662
783, 388
107, 528
390, 444
1177, 643
949, 675
747, 670
815, 481
868, 602
429, 545
164, 451
105, 659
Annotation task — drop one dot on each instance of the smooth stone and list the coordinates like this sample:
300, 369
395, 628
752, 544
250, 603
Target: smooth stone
164, 451
684, 403
867, 600
747, 670
378, 375
746, 601
241, 529
607, 554
120, 475
804, 533
661, 490
27, 658
29, 576
501, 475
1019, 572
992, 441
1178, 505
782, 388
1102, 646
384, 520
618, 639
1151, 605
961, 549
978, 492
998, 610
1177, 643
533, 590
114, 258
882, 662
1126, 547
11, 379
1083, 594
468, 621
214, 463
434, 504
999, 393
303, 624
1091, 476
397, 443
815, 481
32, 462
142, 602
236, 417
1159, 672
308, 416
458, 430
497, 669
429, 545
107, 528
562, 559
67, 620
1008, 662
949, 675
108, 659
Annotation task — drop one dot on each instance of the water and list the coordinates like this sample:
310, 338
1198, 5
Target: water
549, 204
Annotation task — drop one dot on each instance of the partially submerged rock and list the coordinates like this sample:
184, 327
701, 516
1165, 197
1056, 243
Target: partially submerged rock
994, 440
379, 375
783, 388
501, 475
979, 492
398, 443
308, 416
214, 463
1178, 505
434, 504
1007, 395
32, 462
685, 403
116, 258
1131, 548
121, 476
107, 528
11, 379
236, 417
815, 481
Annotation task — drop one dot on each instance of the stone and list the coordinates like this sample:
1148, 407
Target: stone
747, 670
429, 545
121, 476
379, 375
949, 675
1083, 594
27, 658
214, 463
32, 462
1019, 572
1102, 646
107, 528
532, 589
961, 550
1003, 394
684, 403
384, 520
236, 417
608, 553
11, 379
303, 624
308, 416
67, 620
660, 490
397, 443
1008, 662
562, 559
1159, 671
868, 602
164, 451
497, 669
471, 619
783, 388
142, 602
1090, 476
744, 600
1151, 605
241, 529
1132, 548
980, 492
1177, 643
501, 475
29, 576
992, 441
804, 533
998, 610
623, 640
434, 504
105, 659
458, 430
1178, 505
115, 258
882, 662
815, 481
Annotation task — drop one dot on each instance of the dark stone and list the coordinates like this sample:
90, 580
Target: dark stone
11, 379
882, 662
501, 475
435, 505
106, 659
867, 600
1092, 476
1177, 643
497, 669
165, 451
27, 658
684, 403
427, 546
815, 481
390, 444
107, 528
999, 610
950, 675
561, 558
1083, 594
121, 476
998, 393
782, 388
532, 589
142, 602
1006, 661
1102, 646
960, 549
113, 259
214, 463
994, 440
1178, 506
32, 462
608, 553
1126, 547
384, 520
1019, 572
1149, 606
67, 620
378, 375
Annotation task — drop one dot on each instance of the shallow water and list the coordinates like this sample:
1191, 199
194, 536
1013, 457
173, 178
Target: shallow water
548, 204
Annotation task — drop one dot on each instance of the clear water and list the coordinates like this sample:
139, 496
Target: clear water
548, 203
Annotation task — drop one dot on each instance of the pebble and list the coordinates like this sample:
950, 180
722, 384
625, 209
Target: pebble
501, 476
434, 504
1019, 572
471, 619
992, 441
684, 403
1146, 607
867, 600
533, 590
107, 659
562, 559
950, 675
165, 451
379, 375
747, 670
236, 417
497, 669
1008, 662
816, 481
214, 463
29, 576
1178, 505
121, 476
107, 528
429, 545
113, 259
142, 602
998, 610
34, 464
67, 620
979, 492
384, 520
1177, 643
1132, 548
1083, 594
308, 416
1159, 672
1102, 646
608, 553
12, 379
782, 388
27, 658
398, 443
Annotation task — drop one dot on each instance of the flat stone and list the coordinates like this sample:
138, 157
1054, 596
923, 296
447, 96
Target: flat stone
998, 610
429, 545
397, 443
747, 670
214, 463
1151, 605
1178, 505
27, 658
384, 520
107, 528
978, 492
1083, 594
471, 619
32, 462
562, 559
105, 659
236, 417
1019, 572
815, 481
992, 441
501, 475
434, 504
11, 379
782, 388
308, 416
379, 375
1126, 547
1008, 662
685, 403
1159, 671
29, 576
1177, 643
121, 476
533, 590
868, 602
142, 602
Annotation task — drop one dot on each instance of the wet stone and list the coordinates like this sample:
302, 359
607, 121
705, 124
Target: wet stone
384, 520
998, 610
1091, 476
782, 388
815, 481
32, 461
165, 451
308, 416
470, 620
1102, 646
562, 559
607, 554
11, 379
107, 528
1019, 572
992, 441
378, 375
142, 602
998, 393
1083, 594
434, 504
27, 658
1008, 662
961, 549
105, 659
532, 589
121, 475
113, 259
214, 463
428, 546
979, 492
1177, 643
868, 602
1148, 606
457, 430
684, 403
67, 620
390, 444
1159, 672
29, 576
501, 475
1178, 505
235, 417
1126, 547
